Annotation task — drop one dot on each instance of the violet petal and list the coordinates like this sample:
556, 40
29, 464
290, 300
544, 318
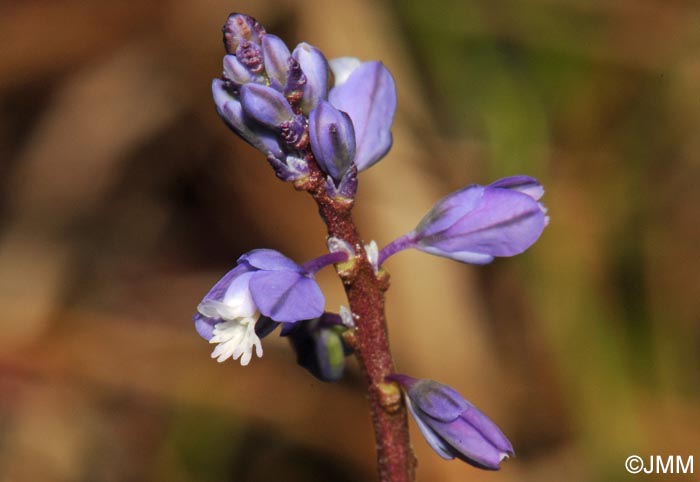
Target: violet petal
369, 98
525, 184
437, 400
434, 440
269, 260
286, 296
470, 444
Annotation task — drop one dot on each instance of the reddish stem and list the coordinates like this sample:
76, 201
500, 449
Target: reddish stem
365, 293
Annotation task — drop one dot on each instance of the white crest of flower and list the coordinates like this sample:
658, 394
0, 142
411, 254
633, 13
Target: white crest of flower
236, 338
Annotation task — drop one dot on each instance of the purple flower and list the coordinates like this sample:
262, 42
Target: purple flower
452, 426
478, 223
367, 93
264, 282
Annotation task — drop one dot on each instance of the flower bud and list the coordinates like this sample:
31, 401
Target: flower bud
319, 346
315, 67
239, 28
276, 56
266, 105
332, 139
477, 223
452, 426
236, 72
231, 112
296, 82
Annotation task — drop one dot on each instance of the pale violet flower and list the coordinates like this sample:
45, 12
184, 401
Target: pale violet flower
264, 282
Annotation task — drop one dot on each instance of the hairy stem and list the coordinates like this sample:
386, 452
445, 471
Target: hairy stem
365, 292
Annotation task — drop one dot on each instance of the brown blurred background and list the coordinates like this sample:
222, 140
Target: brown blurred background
123, 198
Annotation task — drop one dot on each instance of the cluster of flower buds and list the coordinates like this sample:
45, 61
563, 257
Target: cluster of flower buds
302, 111
297, 106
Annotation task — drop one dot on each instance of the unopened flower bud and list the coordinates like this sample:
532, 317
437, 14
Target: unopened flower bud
315, 67
265, 105
452, 426
319, 346
477, 223
276, 56
239, 28
236, 72
332, 139
231, 111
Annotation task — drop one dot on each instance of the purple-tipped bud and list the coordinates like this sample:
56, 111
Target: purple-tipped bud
231, 112
276, 56
315, 67
477, 223
369, 97
266, 105
332, 139
452, 426
239, 28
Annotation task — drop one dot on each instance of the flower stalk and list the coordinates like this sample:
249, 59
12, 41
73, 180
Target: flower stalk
365, 293
314, 265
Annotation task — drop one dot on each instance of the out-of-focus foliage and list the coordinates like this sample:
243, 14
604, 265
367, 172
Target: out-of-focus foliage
123, 198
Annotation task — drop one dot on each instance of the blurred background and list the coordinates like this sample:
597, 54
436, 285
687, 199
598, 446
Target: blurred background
123, 198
